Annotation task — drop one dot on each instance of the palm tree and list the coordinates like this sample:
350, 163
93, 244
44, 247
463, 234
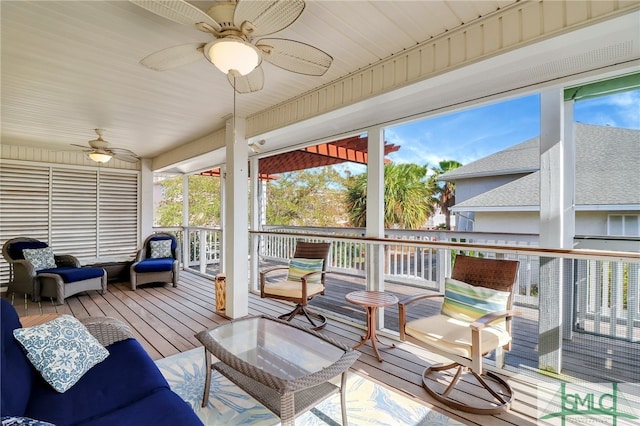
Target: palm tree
446, 190
408, 197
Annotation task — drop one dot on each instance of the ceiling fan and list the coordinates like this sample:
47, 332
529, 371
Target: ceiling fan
234, 25
101, 153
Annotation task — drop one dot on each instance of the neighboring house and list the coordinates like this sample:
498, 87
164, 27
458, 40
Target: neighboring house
501, 192
439, 219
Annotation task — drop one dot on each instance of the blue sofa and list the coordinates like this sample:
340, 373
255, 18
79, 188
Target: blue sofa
126, 388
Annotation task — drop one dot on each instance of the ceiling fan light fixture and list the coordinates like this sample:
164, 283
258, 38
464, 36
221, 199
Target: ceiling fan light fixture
100, 157
233, 53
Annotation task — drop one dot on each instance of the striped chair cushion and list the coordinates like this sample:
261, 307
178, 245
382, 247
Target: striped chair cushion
467, 302
299, 267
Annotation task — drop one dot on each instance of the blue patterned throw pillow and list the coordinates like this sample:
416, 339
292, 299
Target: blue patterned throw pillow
62, 350
23, 421
41, 258
160, 249
299, 267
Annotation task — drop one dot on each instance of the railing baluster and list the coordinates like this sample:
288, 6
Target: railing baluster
633, 310
607, 299
583, 292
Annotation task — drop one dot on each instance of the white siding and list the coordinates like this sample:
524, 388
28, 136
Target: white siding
591, 223
516, 222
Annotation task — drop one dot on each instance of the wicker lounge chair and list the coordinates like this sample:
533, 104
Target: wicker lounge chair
158, 261
305, 280
475, 320
42, 274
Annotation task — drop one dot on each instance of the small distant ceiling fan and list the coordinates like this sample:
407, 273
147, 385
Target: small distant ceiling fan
100, 152
234, 25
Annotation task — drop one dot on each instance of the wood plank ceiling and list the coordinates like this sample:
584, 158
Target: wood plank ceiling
70, 67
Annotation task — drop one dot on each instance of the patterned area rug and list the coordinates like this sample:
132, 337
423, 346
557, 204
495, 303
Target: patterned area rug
367, 402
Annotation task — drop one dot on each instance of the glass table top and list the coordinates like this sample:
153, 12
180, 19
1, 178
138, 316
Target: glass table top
277, 348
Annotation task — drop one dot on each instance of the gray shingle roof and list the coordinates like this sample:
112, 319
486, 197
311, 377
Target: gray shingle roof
521, 158
607, 171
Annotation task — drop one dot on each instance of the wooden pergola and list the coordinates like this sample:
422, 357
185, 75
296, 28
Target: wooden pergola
352, 149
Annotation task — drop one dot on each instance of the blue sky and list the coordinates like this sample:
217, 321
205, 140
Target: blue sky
475, 133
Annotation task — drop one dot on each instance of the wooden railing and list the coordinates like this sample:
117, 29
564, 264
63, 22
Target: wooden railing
406, 263
605, 283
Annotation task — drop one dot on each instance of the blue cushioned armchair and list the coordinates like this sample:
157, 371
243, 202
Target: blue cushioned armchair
158, 261
36, 271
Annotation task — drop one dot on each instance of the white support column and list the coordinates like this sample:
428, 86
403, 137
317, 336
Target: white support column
569, 210
256, 214
185, 200
375, 213
557, 176
236, 235
186, 236
147, 206
223, 216
263, 202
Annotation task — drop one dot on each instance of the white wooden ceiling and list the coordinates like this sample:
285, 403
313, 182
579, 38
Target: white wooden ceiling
71, 66
68, 67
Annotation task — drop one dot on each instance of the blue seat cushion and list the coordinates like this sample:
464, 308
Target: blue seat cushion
71, 274
162, 408
126, 376
154, 265
15, 249
18, 374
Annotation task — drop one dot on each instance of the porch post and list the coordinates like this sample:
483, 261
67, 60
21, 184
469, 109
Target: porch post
569, 210
223, 216
235, 233
146, 201
186, 235
256, 214
375, 213
557, 175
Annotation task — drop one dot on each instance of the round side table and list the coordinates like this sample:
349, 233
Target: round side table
371, 301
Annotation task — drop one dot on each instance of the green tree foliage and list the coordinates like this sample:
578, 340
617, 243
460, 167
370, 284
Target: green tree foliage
446, 191
204, 201
408, 197
356, 199
306, 198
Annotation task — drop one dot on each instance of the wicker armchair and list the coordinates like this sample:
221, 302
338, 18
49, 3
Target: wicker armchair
61, 278
302, 287
475, 320
158, 261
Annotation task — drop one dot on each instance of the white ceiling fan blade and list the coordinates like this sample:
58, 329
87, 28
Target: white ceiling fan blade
294, 56
174, 57
127, 158
178, 11
252, 82
123, 151
124, 154
267, 17
84, 147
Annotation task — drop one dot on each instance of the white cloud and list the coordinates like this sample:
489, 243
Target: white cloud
618, 110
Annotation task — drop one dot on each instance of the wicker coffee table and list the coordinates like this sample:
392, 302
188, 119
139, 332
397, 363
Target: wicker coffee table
285, 367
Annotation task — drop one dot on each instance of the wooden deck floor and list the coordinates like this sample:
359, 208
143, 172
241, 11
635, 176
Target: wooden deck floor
165, 319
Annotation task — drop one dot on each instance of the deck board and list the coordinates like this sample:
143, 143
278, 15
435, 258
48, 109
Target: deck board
164, 320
